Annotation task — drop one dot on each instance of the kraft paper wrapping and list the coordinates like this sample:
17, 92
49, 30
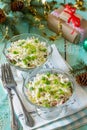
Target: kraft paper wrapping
66, 29
65, 16
79, 33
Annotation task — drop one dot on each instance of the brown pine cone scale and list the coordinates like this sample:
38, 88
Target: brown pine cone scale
2, 16
17, 6
82, 79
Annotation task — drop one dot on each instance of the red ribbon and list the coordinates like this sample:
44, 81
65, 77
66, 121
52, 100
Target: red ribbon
74, 19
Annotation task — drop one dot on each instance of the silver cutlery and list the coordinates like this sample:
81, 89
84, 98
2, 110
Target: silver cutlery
10, 83
14, 121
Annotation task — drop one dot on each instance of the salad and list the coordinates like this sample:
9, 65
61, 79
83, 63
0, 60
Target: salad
49, 89
28, 53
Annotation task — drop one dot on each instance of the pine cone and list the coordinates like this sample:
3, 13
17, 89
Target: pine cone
2, 16
82, 79
17, 6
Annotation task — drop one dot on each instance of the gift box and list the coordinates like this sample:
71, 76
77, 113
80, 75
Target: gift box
73, 26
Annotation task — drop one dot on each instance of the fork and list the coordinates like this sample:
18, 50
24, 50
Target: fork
14, 122
10, 83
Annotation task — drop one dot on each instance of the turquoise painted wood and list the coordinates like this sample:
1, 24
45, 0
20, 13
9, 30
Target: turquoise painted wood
73, 54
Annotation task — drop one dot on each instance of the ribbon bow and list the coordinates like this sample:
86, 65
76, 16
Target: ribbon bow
74, 19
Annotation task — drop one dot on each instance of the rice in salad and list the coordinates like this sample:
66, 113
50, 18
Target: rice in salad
49, 89
27, 53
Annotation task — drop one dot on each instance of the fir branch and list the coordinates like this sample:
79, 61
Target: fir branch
12, 26
78, 68
4, 31
14, 30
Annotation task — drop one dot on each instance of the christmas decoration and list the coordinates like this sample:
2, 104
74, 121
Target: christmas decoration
26, 2
34, 12
17, 5
82, 79
2, 16
79, 71
85, 44
80, 5
72, 23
